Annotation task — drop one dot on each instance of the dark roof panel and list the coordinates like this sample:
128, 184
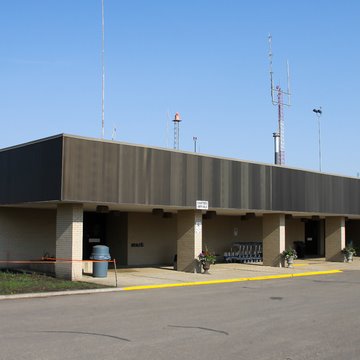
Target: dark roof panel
31, 172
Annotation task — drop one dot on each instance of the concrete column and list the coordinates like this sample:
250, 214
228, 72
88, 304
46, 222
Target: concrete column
273, 239
334, 238
189, 240
69, 240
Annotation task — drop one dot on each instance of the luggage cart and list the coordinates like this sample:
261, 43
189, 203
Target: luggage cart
244, 252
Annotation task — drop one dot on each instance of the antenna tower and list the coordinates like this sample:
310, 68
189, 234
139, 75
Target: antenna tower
278, 100
113, 135
103, 70
177, 121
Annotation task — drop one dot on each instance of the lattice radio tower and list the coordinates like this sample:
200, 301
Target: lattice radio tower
177, 121
102, 70
277, 99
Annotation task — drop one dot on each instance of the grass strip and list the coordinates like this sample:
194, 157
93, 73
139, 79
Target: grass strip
14, 283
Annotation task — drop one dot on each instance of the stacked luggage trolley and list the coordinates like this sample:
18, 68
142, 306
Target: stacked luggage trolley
245, 252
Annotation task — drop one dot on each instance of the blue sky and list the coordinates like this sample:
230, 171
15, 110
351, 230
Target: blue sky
208, 60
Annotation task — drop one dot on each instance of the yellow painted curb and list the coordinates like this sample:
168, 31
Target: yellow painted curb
296, 265
224, 281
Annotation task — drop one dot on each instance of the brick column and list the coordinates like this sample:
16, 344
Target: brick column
189, 240
334, 238
69, 240
273, 239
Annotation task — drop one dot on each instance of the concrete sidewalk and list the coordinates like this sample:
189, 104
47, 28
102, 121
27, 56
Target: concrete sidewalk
144, 276
153, 277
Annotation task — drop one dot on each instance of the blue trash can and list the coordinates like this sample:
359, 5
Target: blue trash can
100, 252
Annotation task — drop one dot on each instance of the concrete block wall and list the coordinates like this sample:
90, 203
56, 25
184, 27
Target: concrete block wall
156, 234
69, 240
334, 238
273, 239
220, 232
294, 231
189, 240
27, 234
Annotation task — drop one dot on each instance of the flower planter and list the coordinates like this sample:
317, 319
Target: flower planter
289, 255
348, 252
348, 257
206, 258
206, 267
290, 261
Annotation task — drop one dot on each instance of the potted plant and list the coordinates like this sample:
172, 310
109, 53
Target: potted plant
290, 255
206, 258
348, 252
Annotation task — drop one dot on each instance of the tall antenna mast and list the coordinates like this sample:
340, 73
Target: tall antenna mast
103, 70
278, 101
177, 121
113, 135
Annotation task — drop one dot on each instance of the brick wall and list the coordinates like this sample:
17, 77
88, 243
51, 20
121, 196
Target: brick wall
273, 239
69, 240
334, 238
27, 234
189, 240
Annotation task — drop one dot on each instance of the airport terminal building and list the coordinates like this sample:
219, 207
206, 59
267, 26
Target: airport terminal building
63, 194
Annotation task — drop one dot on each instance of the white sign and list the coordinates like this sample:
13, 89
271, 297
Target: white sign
202, 205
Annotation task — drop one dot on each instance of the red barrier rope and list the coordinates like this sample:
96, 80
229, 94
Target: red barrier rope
50, 261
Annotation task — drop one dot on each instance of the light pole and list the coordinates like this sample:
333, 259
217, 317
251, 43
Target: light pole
195, 141
318, 113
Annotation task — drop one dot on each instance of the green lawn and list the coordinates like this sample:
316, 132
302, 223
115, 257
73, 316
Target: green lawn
15, 283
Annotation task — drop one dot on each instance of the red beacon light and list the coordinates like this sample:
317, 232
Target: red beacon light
177, 117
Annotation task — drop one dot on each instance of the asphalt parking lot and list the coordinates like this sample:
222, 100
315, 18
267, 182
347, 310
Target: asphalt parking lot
300, 318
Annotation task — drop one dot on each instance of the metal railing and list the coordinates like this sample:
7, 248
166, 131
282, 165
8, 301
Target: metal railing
245, 252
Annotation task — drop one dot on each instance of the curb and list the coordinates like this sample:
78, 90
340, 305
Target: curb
164, 286
57, 293
225, 281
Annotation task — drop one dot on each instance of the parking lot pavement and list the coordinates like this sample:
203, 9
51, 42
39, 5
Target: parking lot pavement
306, 318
